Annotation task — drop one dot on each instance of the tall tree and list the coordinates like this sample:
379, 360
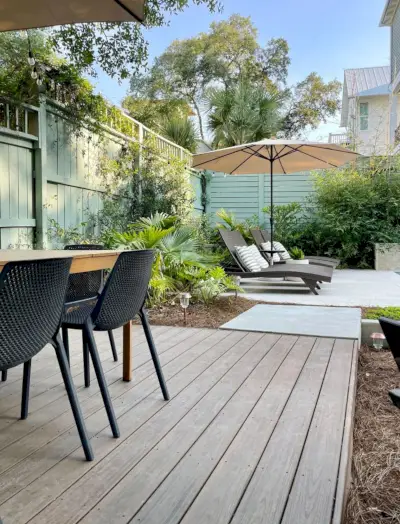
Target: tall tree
120, 49
219, 59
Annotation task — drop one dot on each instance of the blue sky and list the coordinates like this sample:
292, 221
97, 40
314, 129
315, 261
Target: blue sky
326, 37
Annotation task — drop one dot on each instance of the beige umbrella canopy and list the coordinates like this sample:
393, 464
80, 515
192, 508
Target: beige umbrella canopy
27, 14
274, 156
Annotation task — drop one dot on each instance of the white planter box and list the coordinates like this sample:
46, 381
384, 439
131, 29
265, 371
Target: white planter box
297, 262
387, 257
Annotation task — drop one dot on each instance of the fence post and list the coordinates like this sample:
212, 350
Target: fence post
40, 159
140, 137
261, 199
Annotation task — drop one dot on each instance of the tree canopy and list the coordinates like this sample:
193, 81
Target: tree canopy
119, 49
224, 60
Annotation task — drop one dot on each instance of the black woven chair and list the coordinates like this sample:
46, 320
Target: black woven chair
391, 330
123, 297
32, 298
83, 289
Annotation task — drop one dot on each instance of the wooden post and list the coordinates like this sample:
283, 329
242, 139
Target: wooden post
40, 174
127, 352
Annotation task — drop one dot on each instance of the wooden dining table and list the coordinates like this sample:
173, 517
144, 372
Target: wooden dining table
82, 261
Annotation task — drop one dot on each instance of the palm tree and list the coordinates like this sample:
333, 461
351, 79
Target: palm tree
180, 130
242, 113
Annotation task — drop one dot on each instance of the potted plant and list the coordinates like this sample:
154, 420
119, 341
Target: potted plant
297, 256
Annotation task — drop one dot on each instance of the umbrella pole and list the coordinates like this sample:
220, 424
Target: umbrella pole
271, 218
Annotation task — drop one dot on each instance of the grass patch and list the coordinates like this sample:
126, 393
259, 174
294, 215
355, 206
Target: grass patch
377, 312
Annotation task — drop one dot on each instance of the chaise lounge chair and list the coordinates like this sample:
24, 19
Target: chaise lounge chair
261, 235
311, 275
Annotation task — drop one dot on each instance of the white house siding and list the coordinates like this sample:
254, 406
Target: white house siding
376, 139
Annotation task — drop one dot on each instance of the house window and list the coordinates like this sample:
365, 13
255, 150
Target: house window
363, 116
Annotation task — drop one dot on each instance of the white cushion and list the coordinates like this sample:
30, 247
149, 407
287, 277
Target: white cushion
247, 259
266, 246
284, 255
261, 261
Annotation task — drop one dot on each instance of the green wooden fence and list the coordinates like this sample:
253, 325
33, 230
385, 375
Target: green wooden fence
246, 195
49, 172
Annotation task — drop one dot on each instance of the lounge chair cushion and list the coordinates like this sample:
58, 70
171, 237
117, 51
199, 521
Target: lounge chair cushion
266, 246
284, 255
249, 259
261, 261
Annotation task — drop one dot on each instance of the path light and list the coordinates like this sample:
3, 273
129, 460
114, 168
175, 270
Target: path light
185, 299
377, 340
237, 282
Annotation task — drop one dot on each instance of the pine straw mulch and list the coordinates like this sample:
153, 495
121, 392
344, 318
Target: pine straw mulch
374, 496
211, 315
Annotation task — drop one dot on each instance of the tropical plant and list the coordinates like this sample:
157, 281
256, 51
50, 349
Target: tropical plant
181, 131
296, 253
242, 113
231, 223
180, 264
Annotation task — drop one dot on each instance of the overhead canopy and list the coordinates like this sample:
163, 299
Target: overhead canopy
287, 156
28, 14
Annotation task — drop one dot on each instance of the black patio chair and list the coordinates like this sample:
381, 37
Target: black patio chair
83, 289
32, 297
122, 298
391, 330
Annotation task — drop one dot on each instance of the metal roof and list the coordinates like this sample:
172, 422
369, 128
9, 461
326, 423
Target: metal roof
365, 78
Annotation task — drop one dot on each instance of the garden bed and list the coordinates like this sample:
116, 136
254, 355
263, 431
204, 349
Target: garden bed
375, 489
211, 315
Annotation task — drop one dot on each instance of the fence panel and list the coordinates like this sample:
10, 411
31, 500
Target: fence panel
16, 192
246, 195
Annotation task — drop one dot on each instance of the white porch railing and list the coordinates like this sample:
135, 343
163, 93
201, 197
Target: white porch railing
339, 138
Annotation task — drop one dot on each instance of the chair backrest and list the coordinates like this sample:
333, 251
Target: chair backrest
32, 296
266, 235
232, 239
84, 286
125, 290
258, 237
391, 330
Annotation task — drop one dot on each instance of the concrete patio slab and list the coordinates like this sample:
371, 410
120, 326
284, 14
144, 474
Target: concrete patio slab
335, 322
349, 287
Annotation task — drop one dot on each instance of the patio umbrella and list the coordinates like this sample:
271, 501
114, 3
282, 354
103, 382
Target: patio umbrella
27, 14
274, 156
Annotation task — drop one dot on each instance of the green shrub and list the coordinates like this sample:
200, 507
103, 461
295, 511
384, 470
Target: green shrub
355, 208
287, 222
296, 253
389, 312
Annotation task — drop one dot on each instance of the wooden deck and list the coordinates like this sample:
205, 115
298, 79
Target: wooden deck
258, 430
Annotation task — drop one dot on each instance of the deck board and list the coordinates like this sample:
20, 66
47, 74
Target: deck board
258, 430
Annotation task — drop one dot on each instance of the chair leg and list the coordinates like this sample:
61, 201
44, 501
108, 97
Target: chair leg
101, 380
72, 396
153, 351
311, 284
26, 382
113, 348
86, 361
64, 331
4, 375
